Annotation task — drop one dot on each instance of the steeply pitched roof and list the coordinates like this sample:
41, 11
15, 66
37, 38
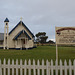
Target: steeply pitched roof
6, 20
24, 26
23, 31
2, 36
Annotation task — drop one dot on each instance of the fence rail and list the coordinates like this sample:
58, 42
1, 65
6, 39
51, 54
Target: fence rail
37, 68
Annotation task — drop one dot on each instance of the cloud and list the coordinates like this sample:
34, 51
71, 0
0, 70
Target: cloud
38, 15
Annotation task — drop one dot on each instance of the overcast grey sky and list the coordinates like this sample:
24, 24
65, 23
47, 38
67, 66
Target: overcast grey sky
38, 15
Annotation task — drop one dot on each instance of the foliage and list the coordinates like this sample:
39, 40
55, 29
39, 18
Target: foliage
51, 42
41, 37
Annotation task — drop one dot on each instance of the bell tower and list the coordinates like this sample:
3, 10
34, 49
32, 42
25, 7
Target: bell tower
6, 31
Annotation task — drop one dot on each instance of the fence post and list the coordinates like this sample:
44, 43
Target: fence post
12, 67
65, 67
25, 64
38, 63
0, 68
51, 67
42, 67
16, 66
34, 70
56, 63
70, 70
29, 63
74, 66
60, 67
20, 66
4, 66
47, 64
8, 66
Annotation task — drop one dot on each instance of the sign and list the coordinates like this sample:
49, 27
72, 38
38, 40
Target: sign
65, 35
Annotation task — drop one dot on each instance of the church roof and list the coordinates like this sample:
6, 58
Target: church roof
24, 26
6, 20
1, 36
23, 31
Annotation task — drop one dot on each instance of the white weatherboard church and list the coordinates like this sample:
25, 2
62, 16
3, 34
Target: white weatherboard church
20, 37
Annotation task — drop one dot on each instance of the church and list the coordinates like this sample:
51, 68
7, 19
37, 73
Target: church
20, 37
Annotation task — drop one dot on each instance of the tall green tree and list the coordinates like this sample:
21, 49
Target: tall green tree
41, 37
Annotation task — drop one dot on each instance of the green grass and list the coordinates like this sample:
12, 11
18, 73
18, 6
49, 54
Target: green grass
41, 52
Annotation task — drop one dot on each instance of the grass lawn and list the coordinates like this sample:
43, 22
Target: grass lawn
41, 52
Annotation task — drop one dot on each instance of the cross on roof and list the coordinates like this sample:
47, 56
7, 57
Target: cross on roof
21, 18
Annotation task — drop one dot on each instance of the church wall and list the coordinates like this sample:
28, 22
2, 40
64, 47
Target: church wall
14, 33
30, 43
11, 43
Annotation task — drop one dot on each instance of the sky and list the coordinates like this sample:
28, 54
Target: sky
38, 15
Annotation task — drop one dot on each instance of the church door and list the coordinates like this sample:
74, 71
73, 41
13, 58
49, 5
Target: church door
23, 43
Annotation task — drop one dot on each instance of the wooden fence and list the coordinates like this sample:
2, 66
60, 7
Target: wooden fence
36, 68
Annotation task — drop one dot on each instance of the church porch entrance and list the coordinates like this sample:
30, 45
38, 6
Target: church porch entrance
21, 42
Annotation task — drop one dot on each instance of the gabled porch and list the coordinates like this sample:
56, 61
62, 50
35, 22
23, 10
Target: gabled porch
21, 43
21, 39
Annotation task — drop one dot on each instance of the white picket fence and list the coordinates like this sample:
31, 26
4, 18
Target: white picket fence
37, 68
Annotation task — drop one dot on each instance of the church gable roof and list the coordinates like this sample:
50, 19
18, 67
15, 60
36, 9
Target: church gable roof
24, 26
23, 31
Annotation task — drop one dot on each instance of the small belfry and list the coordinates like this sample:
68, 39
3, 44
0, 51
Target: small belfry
6, 31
